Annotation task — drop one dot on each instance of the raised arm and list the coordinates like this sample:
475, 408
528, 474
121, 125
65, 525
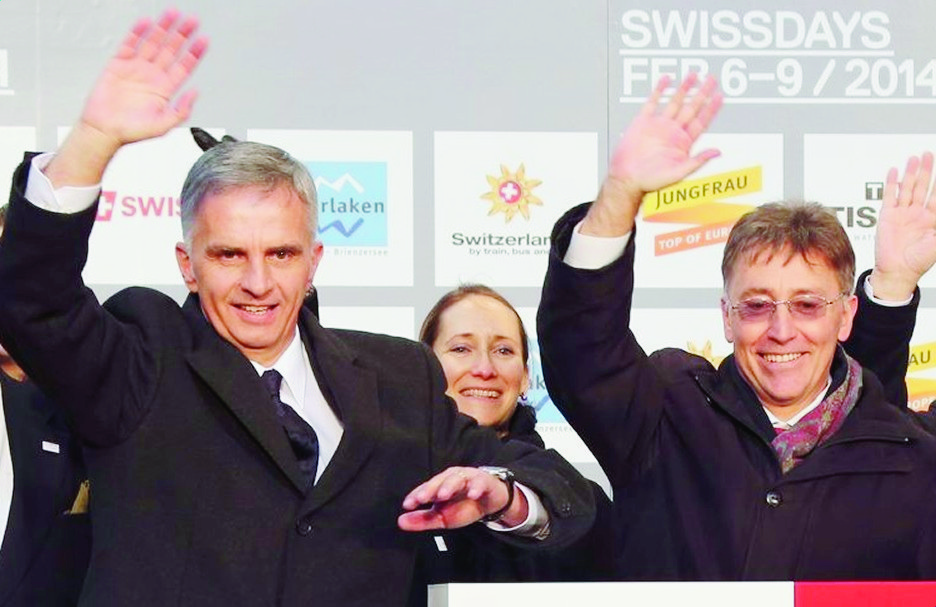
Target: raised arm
135, 98
595, 370
904, 250
653, 153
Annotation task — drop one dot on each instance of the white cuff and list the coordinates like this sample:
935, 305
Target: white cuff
593, 252
67, 199
536, 524
869, 291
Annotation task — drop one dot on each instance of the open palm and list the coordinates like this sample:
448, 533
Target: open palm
134, 97
905, 242
655, 150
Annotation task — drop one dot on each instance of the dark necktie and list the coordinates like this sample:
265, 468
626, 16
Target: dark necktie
302, 437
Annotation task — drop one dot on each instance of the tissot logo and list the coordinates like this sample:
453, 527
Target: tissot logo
136, 206
352, 199
874, 190
5, 73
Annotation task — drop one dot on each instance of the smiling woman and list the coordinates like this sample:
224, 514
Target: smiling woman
483, 348
482, 345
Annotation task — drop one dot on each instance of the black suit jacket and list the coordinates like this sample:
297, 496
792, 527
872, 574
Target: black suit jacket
45, 550
197, 493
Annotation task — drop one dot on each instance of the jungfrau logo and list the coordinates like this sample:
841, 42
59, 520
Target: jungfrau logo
921, 390
511, 193
699, 202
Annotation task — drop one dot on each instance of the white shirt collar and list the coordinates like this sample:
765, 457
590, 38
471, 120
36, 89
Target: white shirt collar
292, 365
776, 422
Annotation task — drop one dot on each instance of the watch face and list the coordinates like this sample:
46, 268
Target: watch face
502, 473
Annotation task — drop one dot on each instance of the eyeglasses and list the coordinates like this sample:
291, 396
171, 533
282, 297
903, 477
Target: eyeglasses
802, 307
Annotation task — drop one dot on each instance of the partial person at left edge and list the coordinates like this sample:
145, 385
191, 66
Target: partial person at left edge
46, 534
240, 453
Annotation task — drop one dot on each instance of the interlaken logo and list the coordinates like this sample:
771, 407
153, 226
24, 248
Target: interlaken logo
511, 193
352, 200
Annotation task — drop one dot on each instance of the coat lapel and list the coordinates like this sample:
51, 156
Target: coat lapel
231, 376
351, 390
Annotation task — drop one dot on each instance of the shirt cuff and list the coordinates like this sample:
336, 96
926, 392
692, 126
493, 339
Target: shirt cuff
593, 252
869, 291
67, 199
535, 526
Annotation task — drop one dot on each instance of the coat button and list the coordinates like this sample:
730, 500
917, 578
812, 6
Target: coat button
774, 499
303, 527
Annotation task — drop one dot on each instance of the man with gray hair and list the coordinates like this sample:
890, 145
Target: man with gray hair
241, 454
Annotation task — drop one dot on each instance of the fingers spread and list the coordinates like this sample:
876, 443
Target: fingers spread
649, 108
905, 192
922, 185
675, 104
128, 47
890, 188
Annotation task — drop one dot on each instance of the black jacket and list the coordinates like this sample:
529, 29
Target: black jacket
198, 498
464, 559
698, 489
45, 549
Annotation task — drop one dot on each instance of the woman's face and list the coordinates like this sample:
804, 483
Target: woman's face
479, 346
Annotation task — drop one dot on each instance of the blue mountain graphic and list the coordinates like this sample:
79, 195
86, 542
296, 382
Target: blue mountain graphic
340, 227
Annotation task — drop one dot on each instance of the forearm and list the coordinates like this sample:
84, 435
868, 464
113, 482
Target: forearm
82, 158
614, 211
880, 340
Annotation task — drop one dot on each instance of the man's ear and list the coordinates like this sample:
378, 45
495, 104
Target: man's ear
726, 320
185, 267
316, 257
849, 309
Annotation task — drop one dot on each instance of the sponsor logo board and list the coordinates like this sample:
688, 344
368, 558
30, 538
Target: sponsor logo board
846, 173
682, 229
364, 182
138, 221
397, 321
497, 196
14, 140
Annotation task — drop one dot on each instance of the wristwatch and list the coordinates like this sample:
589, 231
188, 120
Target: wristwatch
508, 477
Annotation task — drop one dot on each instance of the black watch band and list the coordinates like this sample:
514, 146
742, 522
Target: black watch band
508, 477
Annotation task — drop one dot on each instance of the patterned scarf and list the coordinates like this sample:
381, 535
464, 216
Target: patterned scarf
793, 445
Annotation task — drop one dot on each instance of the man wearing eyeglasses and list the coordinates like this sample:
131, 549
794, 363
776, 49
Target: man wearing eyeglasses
785, 462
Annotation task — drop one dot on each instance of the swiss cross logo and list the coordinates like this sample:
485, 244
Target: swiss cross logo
106, 206
112, 206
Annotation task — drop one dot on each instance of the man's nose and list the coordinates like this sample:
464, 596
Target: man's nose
257, 279
782, 326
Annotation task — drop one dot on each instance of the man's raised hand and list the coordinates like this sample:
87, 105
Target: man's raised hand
654, 152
